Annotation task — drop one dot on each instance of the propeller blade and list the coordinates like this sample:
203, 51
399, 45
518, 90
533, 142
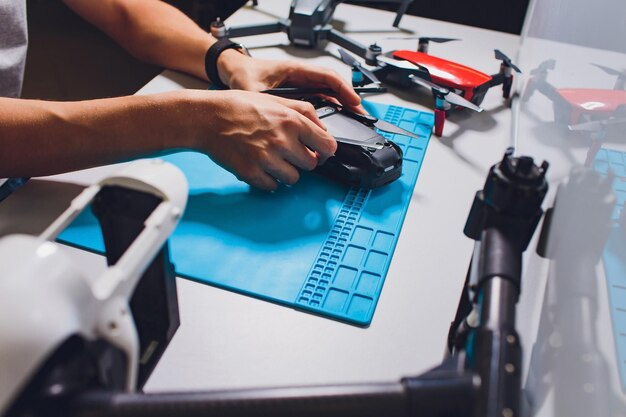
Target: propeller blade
429, 84
437, 40
402, 37
347, 58
388, 127
610, 71
447, 95
457, 100
506, 60
353, 62
369, 143
546, 65
596, 125
398, 63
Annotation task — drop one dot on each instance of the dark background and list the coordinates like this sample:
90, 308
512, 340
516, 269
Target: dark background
500, 15
68, 59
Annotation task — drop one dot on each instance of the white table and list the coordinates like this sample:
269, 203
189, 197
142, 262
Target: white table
228, 340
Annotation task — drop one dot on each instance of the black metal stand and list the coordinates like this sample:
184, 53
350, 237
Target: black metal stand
481, 377
566, 360
502, 220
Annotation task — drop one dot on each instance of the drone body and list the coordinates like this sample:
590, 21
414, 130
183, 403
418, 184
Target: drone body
308, 25
589, 111
573, 106
457, 77
579, 105
452, 84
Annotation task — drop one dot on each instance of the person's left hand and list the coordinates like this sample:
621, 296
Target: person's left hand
243, 72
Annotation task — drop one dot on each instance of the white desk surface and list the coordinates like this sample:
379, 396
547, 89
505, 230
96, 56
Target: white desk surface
228, 340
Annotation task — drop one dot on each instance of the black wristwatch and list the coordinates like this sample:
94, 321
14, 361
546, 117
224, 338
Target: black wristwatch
210, 59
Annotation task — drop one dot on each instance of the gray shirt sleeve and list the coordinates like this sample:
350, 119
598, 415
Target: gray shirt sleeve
13, 42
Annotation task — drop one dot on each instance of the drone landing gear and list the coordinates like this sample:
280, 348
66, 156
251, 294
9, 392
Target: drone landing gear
506, 85
505, 76
440, 115
440, 119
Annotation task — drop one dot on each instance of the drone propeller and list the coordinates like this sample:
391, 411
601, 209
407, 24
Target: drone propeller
506, 61
425, 38
548, 64
596, 125
423, 41
620, 83
610, 71
353, 62
446, 94
436, 40
398, 63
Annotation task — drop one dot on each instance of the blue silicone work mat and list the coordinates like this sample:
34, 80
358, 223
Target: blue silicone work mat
614, 256
316, 246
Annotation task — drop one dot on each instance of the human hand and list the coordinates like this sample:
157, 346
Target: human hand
245, 73
261, 138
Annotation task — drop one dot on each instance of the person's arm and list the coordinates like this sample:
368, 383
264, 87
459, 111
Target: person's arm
150, 30
159, 33
260, 138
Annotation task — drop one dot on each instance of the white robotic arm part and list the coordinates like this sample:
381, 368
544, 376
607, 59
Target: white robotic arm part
45, 299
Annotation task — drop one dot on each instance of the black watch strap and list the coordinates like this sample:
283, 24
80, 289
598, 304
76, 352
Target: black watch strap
210, 60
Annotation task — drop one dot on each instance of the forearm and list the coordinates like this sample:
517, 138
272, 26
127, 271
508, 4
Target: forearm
150, 30
43, 138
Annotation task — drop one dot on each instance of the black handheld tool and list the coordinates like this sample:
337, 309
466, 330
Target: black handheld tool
295, 91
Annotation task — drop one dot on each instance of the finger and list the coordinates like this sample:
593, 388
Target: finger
304, 108
308, 110
282, 171
329, 78
332, 99
301, 156
358, 109
321, 160
261, 179
316, 139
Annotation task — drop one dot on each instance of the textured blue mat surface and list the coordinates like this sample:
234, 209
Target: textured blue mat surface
614, 256
317, 246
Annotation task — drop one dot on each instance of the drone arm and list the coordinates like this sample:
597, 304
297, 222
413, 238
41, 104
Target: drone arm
548, 90
505, 79
345, 42
545, 88
241, 31
496, 79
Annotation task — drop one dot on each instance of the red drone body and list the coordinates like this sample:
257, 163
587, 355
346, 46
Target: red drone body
594, 112
589, 104
453, 85
457, 77
573, 106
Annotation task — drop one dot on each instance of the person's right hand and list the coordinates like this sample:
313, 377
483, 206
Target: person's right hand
260, 138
